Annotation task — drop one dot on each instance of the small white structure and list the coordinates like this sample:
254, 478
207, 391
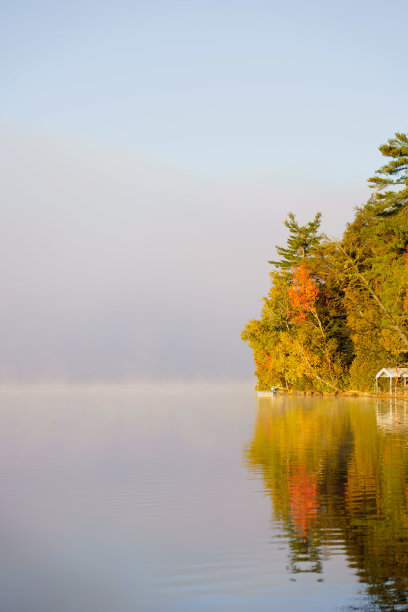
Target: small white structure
392, 373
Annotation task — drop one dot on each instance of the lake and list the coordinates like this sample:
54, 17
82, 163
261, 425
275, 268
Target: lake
201, 497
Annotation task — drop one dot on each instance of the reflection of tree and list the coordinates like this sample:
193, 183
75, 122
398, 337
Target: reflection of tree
335, 477
303, 499
303, 510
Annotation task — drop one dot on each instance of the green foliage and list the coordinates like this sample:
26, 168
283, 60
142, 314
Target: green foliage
364, 368
302, 242
358, 323
393, 174
375, 282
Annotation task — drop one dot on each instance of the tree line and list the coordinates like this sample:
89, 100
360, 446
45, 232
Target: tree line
337, 310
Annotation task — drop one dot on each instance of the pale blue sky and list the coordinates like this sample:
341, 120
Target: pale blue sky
215, 86
150, 152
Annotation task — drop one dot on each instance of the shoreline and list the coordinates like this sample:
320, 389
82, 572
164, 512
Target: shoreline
350, 393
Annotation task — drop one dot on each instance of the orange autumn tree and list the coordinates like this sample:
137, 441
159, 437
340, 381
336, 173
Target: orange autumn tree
302, 293
296, 339
313, 344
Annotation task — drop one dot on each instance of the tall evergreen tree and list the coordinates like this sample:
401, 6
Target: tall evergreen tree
392, 175
298, 338
302, 242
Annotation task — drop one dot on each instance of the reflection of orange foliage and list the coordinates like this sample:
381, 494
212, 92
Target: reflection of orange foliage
406, 291
302, 293
303, 500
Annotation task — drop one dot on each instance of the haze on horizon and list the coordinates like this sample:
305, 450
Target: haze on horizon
150, 153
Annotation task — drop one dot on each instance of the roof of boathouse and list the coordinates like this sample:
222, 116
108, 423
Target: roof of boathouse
393, 373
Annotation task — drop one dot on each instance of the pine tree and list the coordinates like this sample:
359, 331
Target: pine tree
302, 242
394, 174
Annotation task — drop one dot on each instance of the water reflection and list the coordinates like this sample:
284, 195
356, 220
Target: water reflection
337, 472
124, 498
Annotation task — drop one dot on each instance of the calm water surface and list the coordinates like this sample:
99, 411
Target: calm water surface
173, 498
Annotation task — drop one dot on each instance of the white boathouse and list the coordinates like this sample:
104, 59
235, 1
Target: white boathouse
395, 374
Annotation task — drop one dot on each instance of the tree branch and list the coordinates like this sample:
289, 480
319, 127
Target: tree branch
376, 298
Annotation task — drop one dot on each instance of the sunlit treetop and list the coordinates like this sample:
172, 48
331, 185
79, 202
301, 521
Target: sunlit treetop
391, 184
302, 242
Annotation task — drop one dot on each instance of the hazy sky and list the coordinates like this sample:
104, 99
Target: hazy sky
149, 154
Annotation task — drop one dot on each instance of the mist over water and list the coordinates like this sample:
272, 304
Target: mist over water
117, 266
